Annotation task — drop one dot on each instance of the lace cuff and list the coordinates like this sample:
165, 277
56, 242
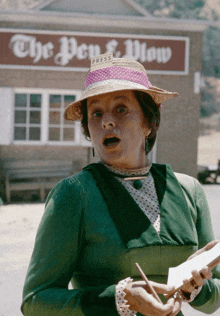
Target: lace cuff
122, 307
189, 297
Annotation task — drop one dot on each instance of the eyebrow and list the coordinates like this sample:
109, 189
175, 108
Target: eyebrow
93, 102
115, 99
121, 97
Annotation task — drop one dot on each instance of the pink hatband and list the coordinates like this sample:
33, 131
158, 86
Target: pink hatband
117, 73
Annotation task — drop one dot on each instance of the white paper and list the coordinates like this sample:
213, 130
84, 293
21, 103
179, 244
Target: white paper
183, 271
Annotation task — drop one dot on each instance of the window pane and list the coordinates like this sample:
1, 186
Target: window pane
55, 101
20, 116
68, 134
34, 133
68, 122
20, 100
35, 117
35, 100
54, 117
20, 133
54, 133
69, 99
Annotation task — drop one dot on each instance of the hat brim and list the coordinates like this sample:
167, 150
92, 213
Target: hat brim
73, 110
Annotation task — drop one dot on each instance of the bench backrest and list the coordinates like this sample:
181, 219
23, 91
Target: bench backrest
40, 169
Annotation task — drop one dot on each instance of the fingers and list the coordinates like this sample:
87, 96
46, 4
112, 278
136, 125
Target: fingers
172, 307
158, 287
143, 302
169, 307
198, 279
210, 245
206, 273
165, 309
176, 305
162, 288
188, 286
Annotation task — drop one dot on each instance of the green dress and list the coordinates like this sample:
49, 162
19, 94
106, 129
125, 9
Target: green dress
92, 233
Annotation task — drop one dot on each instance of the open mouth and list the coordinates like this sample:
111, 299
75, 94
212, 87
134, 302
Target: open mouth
111, 141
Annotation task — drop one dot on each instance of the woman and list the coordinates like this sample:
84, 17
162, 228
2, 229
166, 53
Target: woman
123, 210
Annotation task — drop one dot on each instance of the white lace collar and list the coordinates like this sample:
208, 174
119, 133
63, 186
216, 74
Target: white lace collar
130, 172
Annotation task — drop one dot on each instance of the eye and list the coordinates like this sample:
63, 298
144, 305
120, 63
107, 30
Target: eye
97, 114
121, 109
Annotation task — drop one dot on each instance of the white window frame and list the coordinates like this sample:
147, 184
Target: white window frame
27, 109
44, 135
7, 115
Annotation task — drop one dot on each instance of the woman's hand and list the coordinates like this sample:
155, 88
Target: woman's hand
210, 245
140, 300
198, 280
199, 277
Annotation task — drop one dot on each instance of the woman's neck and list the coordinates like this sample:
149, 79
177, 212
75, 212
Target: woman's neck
130, 171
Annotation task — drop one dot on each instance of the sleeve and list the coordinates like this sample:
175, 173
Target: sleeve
208, 300
54, 260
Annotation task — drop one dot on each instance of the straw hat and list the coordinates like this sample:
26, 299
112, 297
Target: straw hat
108, 74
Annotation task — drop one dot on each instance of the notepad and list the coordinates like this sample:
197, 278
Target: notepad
177, 274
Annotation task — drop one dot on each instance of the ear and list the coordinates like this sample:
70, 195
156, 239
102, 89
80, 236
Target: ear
147, 132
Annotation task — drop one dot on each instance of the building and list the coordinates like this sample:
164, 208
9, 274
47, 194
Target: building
45, 50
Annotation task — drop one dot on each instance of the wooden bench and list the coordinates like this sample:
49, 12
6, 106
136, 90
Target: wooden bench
36, 175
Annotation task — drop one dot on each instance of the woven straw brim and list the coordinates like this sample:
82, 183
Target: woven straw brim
73, 110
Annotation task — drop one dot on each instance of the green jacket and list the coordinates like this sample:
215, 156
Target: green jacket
93, 232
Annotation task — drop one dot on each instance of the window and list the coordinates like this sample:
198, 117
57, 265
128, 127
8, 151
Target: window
38, 118
60, 130
27, 118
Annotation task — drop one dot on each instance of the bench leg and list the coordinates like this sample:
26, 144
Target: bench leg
216, 175
218, 171
8, 196
42, 194
7, 189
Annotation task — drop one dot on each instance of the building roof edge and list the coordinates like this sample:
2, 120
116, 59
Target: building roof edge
106, 20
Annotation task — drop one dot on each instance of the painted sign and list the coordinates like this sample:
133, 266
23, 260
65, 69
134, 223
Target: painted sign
73, 51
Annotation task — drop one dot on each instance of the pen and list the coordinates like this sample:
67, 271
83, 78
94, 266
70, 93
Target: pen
144, 277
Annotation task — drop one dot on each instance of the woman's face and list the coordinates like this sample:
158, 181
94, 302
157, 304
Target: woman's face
118, 129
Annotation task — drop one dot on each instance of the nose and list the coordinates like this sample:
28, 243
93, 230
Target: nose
108, 121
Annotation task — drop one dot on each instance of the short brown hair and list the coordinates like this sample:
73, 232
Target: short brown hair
149, 108
151, 113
